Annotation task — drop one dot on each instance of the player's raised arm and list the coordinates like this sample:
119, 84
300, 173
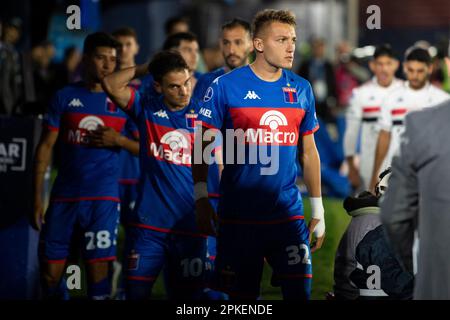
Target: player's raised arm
41, 162
310, 161
116, 84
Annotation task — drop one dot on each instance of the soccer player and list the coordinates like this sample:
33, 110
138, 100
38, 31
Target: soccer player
186, 44
236, 45
129, 163
363, 113
163, 231
261, 212
176, 24
416, 93
85, 193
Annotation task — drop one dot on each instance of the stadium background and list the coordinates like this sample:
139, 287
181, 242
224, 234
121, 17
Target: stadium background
403, 22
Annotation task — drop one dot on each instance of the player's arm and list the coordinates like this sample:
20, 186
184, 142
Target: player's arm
107, 137
310, 161
116, 84
353, 123
41, 162
205, 215
383, 142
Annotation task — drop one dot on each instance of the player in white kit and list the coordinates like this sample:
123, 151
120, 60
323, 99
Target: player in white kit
416, 93
363, 113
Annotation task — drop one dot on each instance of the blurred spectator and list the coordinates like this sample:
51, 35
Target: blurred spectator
176, 24
69, 70
10, 67
441, 67
319, 72
43, 75
349, 74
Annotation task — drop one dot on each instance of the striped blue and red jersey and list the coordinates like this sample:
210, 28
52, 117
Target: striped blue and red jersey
165, 200
270, 118
85, 172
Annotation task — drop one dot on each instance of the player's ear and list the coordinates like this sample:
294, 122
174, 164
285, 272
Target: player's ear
405, 65
258, 44
372, 65
396, 64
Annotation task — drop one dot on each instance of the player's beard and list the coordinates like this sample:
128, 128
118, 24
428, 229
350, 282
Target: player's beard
240, 63
418, 84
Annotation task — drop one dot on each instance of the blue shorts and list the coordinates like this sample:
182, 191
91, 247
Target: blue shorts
212, 245
183, 259
128, 195
242, 249
98, 222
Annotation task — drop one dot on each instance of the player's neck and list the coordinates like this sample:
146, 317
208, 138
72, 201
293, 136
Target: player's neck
265, 71
172, 107
418, 88
385, 84
227, 69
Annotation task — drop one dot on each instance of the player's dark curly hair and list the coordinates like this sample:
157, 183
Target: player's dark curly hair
164, 62
99, 39
384, 50
264, 17
173, 41
418, 54
236, 22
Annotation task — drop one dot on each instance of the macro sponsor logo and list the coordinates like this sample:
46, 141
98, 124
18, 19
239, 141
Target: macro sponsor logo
272, 119
174, 147
88, 123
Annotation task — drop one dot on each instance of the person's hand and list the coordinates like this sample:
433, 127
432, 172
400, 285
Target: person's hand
104, 137
354, 178
372, 185
38, 215
318, 241
206, 217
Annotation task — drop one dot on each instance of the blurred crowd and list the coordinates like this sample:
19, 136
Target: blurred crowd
29, 78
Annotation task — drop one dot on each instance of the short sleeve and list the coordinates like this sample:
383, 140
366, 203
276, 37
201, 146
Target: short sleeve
55, 111
133, 107
385, 119
213, 106
309, 124
354, 111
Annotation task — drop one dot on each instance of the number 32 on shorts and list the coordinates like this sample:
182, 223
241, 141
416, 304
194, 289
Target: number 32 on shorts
298, 253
